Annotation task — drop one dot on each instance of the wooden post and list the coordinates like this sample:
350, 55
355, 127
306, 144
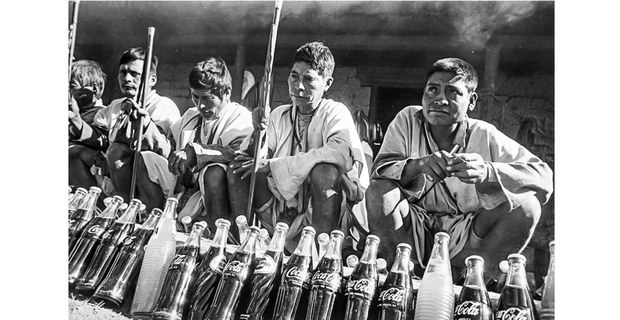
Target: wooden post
237, 78
487, 92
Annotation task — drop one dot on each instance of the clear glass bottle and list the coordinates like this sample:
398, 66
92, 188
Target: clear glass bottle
515, 301
473, 302
395, 301
127, 263
75, 199
109, 246
159, 253
210, 272
84, 213
435, 299
327, 279
172, 301
243, 227
362, 284
295, 276
85, 247
548, 297
323, 240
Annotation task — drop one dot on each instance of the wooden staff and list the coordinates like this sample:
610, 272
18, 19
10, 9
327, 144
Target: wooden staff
266, 89
72, 33
143, 92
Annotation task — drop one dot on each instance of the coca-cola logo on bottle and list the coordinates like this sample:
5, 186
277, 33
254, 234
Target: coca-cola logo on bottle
218, 263
468, 308
265, 265
392, 295
127, 241
95, 230
329, 280
363, 286
294, 273
514, 314
234, 267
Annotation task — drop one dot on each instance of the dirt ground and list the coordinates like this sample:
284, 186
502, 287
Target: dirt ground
82, 310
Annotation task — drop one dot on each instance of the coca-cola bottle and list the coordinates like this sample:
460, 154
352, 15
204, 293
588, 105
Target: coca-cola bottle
235, 277
323, 240
473, 302
107, 249
515, 301
548, 296
295, 274
396, 298
81, 216
209, 272
124, 270
181, 273
352, 261
435, 299
85, 247
501, 282
382, 270
363, 282
158, 254
75, 199
254, 301
242, 227
326, 280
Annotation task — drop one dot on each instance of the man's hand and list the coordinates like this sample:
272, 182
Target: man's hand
468, 167
74, 110
243, 165
434, 165
259, 120
133, 109
181, 161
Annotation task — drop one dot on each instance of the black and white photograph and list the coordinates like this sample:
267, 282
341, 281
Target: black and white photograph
316, 159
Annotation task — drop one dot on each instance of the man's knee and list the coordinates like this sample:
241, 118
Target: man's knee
529, 211
214, 180
383, 197
118, 155
79, 154
324, 176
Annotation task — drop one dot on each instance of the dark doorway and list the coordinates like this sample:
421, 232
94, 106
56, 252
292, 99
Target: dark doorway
388, 102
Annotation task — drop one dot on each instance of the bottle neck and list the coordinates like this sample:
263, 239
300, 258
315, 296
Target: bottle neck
170, 210
152, 220
334, 248
440, 249
110, 210
194, 237
90, 202
370, 253
277, 242
249, 245
401, 263
304, 248
129, 216
74, 202
221, 235
516, 275
474, 275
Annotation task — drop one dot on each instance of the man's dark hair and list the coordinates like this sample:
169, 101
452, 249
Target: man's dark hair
212, 74
134, 54
459, 67
318, 56
87, 73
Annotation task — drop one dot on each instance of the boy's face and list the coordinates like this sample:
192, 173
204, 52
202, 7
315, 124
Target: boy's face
446, 99
209, 105
306, 86
129, 77
83, 95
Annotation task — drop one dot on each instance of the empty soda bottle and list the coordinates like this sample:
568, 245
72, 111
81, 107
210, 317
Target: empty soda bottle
295, 274
235, 277
172, 300
81, 216
209, 272
382, 269
515, 301
363, 282
323, 240
253, 302
395, 301
473, 302
326, 280
548, 297
501, 282
158, 254
108, 248
435, 299
75, 199
124, 270
243, 227
85, 247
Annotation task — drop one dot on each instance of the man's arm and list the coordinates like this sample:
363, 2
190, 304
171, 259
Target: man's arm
95, 136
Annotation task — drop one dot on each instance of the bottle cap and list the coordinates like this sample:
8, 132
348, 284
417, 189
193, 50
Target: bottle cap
136, 200
80, 189
352, 260
157, 211
442, 235
503, 266
404, 245
199, 224
221, 222
552, 244
96, 189
254, 229
264, 234
186, 220
323, 238
119, 198
173, 199
372, 237
339, 233
241, 219
283, 226
517, 256
474, 257
381, 264
311, 229
123, 206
